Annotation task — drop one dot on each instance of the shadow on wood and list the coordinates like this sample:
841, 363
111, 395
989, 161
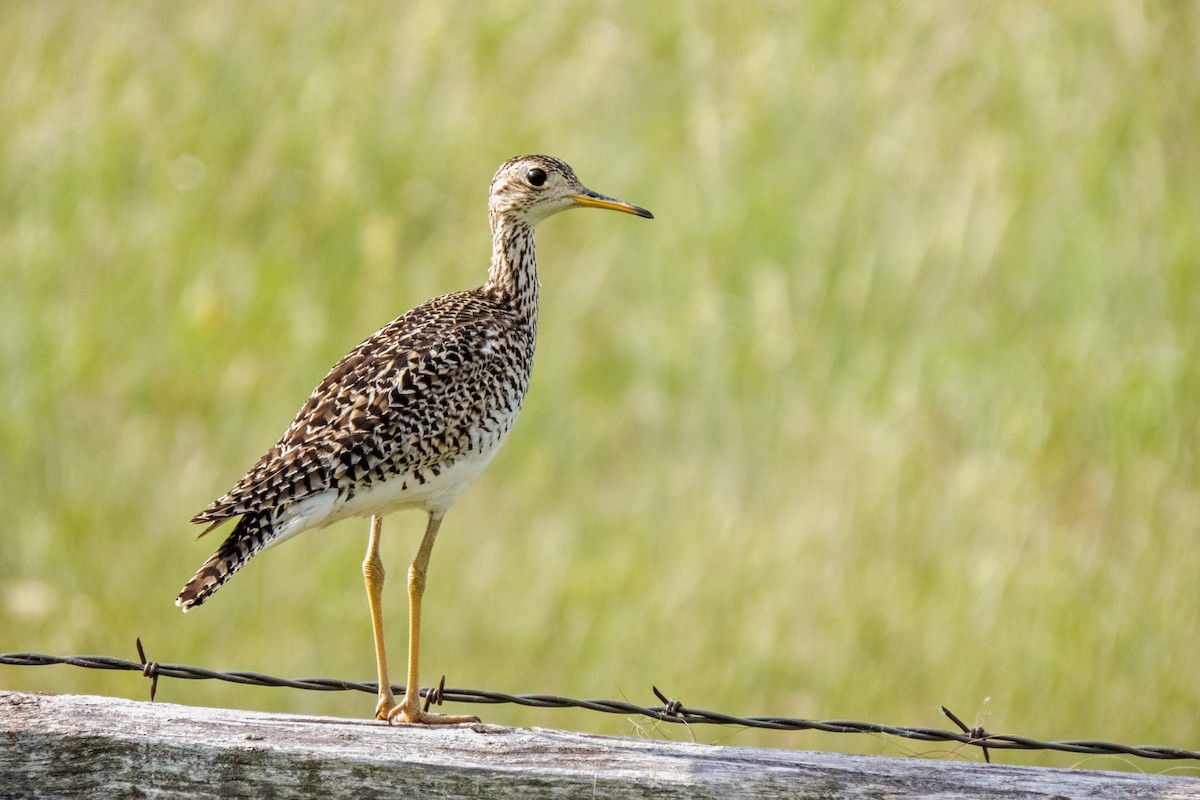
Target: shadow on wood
68, 745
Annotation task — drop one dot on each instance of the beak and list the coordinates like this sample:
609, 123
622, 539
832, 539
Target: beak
589, 199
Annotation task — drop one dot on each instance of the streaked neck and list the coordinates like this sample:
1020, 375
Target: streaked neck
512, 278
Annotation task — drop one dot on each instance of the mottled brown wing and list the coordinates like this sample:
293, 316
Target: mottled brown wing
404, 398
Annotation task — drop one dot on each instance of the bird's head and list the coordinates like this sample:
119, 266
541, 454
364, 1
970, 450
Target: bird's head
534, 187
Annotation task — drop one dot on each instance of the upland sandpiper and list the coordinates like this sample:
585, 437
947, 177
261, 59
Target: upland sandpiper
409, 418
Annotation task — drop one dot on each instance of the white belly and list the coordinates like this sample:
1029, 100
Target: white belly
434, 490
437, 493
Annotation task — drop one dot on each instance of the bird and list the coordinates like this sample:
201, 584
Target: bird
408, 419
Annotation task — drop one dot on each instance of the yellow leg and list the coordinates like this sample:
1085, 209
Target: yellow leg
409, 709
373, 575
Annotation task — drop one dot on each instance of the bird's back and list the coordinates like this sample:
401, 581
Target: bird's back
408, 417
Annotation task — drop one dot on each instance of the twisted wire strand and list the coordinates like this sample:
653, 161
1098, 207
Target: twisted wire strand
669, 711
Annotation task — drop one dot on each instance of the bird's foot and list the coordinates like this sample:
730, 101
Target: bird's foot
399, 716
409, 712
384, 708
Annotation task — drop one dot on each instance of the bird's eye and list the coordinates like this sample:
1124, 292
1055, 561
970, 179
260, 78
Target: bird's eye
536, 177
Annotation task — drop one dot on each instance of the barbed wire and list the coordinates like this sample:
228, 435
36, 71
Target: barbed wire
671, 711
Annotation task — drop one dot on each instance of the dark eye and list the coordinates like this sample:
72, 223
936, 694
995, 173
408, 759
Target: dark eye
536, 177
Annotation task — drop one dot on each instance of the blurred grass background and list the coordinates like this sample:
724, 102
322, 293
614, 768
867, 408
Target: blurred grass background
893, 405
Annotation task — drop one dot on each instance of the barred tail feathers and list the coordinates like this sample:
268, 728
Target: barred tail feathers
252, 533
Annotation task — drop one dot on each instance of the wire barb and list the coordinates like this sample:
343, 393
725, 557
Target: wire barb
668, 712
672, 708
978, 734
433, 697
149, 669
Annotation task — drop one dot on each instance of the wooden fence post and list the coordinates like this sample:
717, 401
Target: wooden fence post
85, 746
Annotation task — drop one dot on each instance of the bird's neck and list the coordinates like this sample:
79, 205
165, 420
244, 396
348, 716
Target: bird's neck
512, 278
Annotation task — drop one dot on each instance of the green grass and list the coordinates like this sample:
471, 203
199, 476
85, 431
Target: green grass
893, 405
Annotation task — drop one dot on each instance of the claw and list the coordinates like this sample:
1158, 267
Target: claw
384, 708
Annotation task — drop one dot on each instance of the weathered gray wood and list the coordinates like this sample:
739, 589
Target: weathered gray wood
83, 746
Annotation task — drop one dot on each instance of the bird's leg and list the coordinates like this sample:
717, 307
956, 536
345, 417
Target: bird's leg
373, 575
409, 709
